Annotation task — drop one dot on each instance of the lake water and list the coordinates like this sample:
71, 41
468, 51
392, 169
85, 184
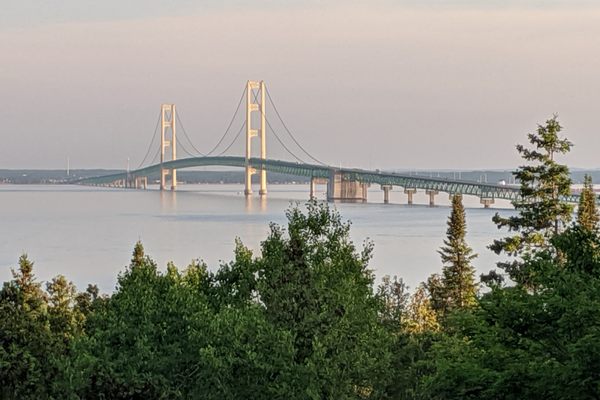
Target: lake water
87, 234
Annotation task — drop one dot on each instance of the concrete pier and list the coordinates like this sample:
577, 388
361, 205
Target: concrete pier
386, 193
410, 192
432, 194
313, 186
141, 182
339, 187
486, 201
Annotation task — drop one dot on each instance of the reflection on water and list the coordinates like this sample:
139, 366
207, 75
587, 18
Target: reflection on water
168, 201
88, 233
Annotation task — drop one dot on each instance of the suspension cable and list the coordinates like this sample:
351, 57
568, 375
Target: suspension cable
230, 124
184, 149
151, 142
234, 140
288, 131
275, 133
155, 158
186, 135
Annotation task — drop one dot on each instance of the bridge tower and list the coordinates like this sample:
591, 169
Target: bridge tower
254, 89
168, 138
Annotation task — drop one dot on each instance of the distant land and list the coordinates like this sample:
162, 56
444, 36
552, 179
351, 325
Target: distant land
49, 176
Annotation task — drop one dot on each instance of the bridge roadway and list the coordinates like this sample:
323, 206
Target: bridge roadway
485, 191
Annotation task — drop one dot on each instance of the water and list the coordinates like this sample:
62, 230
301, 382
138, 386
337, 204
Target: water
87, 234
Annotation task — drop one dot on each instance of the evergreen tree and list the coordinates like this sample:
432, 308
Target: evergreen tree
587, 213
437, 295
65, 320
26, 342
458, 275
541, 211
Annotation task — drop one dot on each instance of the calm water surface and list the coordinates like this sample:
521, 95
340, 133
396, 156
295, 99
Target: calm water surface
87, 234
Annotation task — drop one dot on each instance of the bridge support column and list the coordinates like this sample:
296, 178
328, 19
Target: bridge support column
386, 193
432, 194
141, 182
314, 181
168, 124
486, 201
251, 106
249, 172
410, 192
339, 187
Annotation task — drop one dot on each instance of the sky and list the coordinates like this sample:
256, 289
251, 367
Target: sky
373, 84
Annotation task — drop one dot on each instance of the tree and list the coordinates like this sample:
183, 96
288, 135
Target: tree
26, 342
458, 275
587, 213
542, 213
528, 344
138, 343
421, 316
65, 319
316, 286
394, 297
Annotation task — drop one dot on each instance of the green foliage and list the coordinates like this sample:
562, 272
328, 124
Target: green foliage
521, 343
300, 321
587, 213
541, 212
421, 317
315, 285
393, 295
458, 287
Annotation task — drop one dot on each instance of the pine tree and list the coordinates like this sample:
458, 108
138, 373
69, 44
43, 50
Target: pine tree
458, 275
138, 257
541, 211
65, 319
587, 213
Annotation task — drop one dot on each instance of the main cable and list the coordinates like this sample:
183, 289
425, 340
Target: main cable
234, 140
229, 126
184, 149
178, 118
288, 131
151, 142
275, 133
155, 158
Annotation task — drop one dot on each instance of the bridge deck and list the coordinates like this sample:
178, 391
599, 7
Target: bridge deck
482, 190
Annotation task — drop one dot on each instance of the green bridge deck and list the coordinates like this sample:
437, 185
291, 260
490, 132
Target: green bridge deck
482, 190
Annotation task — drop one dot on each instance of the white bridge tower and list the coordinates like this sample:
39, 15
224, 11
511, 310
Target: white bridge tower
168, 138
255, 89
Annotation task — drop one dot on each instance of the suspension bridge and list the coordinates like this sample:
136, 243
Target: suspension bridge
344, 184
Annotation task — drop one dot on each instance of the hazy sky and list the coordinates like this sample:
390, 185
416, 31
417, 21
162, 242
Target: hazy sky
381, 84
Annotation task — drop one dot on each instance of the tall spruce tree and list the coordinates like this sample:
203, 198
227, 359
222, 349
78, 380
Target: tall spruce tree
459, 288
541, 212
587, 213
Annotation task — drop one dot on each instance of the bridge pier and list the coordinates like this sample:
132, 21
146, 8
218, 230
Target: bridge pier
410, 192
314, 181
140, 182
486, 201
386, 193
432, 194
339, 187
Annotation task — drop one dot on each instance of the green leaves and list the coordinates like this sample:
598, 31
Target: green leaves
541, 212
